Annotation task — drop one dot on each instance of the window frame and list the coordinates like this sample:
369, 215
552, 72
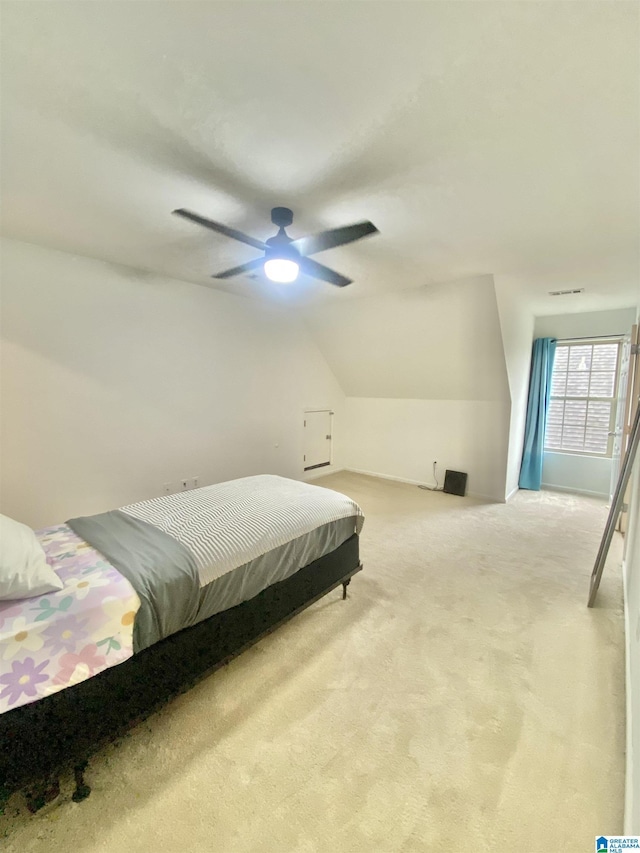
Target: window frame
576, 342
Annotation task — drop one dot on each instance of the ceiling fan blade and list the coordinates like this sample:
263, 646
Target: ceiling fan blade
313, 268
335, 237
221, 229
251, 265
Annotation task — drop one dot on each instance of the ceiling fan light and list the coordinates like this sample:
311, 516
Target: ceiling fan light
281, 269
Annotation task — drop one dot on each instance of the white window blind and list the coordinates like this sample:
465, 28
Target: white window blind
582, 406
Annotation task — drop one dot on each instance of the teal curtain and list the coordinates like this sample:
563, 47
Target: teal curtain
544, 350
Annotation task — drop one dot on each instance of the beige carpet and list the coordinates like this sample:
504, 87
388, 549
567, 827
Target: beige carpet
463, 699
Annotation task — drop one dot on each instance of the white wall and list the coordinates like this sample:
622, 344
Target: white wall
402, 438
631, 570
115, 382
589, 475
425, 378
574, 472
591, 323
631, 574
516, 324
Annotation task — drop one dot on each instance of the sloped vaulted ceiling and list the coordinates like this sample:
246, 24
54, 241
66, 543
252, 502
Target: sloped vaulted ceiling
438, 342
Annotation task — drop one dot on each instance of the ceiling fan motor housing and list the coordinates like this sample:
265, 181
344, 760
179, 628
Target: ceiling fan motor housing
281, 216
279, 246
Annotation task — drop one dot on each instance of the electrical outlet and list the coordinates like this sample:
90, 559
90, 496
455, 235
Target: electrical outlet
184, 485
195, 483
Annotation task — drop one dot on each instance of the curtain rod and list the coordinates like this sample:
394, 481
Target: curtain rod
592, 338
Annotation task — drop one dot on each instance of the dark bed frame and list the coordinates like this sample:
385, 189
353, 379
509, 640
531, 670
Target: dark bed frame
41, 740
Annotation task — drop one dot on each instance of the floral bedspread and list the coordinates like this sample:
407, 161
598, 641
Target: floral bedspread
55, 640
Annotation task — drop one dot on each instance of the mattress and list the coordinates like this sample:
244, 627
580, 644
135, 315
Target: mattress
55, 640
229, 524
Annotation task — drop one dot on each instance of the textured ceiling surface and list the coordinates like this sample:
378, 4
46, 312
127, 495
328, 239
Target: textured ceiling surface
481, 138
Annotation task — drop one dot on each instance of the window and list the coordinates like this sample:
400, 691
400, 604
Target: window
582, 408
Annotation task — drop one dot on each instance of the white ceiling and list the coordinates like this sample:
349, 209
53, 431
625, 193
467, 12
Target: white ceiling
479, 137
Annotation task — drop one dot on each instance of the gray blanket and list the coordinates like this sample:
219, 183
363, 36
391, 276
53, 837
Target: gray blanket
160, 569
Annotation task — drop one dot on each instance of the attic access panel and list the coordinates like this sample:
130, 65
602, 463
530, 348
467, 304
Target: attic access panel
317, 439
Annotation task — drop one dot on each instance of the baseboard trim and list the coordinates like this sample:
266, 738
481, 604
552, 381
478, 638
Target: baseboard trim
511, 494
389, 477
418, 483
491, 498
320, 472
551, 487
629, 781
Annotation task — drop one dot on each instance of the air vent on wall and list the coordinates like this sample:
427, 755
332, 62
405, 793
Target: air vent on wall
566, 292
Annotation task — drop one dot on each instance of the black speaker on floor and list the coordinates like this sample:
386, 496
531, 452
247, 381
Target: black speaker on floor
455, 483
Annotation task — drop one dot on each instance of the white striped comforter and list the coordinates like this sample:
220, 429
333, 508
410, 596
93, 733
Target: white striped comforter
229, 524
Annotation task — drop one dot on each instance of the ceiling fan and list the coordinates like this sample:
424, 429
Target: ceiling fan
283, 256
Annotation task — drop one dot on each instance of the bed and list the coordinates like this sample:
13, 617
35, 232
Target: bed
156, 595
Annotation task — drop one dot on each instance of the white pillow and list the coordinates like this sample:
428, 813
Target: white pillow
24, 571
